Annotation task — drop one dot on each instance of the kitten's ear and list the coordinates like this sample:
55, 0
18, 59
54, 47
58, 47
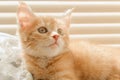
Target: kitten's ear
24, 14
67, 16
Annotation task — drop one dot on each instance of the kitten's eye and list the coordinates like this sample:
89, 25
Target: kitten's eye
60, 31
42, 30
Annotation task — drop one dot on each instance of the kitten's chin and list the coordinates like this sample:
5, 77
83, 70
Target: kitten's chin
54, 45
49, 51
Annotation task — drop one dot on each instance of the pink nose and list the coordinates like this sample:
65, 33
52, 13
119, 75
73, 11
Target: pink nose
55, 37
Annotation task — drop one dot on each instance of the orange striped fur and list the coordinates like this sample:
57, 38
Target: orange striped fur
50, 55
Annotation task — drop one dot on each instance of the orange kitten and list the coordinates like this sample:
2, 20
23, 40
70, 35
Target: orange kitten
50, 55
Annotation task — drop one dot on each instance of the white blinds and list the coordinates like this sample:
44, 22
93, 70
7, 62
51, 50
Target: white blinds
94, 20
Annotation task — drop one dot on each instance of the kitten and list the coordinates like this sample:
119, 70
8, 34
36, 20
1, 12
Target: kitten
49, 54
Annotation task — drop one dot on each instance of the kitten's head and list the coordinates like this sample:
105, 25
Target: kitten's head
43, 35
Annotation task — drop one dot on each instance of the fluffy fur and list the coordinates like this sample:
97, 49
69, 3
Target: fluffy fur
49, 54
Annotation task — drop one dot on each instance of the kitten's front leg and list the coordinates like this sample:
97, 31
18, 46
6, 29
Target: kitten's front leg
65, 75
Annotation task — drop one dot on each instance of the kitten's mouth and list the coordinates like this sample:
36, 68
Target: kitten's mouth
54, 44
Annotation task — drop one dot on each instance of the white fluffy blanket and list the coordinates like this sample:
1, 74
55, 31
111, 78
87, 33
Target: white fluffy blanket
11, 65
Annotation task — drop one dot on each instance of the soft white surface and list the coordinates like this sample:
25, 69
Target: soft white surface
11, 65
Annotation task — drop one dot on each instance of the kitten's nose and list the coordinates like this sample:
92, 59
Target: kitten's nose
55, 37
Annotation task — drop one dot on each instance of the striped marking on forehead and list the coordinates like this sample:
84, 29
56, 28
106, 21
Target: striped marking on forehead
50, 22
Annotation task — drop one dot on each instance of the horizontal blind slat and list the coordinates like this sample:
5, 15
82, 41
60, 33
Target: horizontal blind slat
10, 18
76, 28
95, 28
99, 38
58, 6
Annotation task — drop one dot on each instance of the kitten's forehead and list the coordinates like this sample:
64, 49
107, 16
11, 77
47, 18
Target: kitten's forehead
50, 22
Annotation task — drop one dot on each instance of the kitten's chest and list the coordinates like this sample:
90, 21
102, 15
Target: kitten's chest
43, 62
45, 69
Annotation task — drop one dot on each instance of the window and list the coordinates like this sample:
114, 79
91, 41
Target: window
94, 20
